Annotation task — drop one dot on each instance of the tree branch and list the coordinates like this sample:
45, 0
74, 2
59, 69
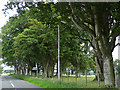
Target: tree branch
114, 34
118, 44
82, 26
88, 41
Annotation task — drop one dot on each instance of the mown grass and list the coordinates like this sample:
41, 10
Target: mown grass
65, 83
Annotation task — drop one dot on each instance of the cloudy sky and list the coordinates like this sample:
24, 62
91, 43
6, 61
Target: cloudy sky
3, 20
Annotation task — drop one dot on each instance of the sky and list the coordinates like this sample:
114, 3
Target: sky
4, 19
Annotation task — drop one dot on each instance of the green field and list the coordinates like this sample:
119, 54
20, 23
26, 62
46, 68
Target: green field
65, 82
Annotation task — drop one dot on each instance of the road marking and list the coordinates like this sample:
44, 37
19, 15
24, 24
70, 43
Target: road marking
12, 84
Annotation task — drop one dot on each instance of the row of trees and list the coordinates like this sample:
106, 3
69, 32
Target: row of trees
29, 41
31, 36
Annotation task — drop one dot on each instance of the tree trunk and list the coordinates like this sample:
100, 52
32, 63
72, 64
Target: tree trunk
109, 72
86, 77
79, 74
61, 73
99, 68
24, 70
15, 70
71, 72
49, 72
18, 70
98, 79
76, 74
52, 74
77, 70
37, 70
30, 70
103, 45
45, 72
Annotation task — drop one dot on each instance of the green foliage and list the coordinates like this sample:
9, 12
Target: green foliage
31, 37
14, 26
117, 66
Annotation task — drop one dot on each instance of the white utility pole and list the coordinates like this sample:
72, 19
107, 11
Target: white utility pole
58, 54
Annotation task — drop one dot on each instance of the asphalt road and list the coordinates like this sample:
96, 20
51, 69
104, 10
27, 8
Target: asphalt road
12, 83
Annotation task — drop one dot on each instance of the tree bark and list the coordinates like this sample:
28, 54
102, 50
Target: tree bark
99, 70
104, 47
45, 72
79, 74
37, 75
86, 77
109, 72
76, 74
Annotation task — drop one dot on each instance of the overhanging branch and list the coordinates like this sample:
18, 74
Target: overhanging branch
88, 41
83, 27
114, 35
80, 26
118, 44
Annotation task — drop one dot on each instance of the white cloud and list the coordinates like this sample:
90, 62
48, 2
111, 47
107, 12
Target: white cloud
3, 19
2, 16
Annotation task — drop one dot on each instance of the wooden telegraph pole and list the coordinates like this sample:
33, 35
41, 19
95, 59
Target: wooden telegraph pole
58, 54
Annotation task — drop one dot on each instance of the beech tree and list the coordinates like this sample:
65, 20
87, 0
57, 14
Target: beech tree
101, 21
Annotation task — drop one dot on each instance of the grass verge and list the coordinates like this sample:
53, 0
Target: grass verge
65, 82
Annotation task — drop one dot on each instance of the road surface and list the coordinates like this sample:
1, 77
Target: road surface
17, 84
